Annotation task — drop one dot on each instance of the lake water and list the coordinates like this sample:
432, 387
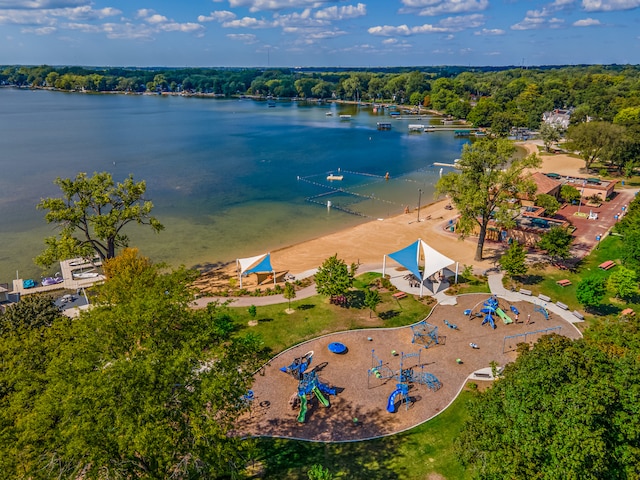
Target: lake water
228, 178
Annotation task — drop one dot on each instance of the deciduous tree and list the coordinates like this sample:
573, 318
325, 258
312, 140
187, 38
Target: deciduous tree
513, 260
556, 242
333, 277
92, 215
590, 291
488, 180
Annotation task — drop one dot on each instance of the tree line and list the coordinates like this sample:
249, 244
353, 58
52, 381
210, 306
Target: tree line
498, 98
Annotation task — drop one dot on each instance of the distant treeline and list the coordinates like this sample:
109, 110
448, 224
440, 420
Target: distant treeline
485, 96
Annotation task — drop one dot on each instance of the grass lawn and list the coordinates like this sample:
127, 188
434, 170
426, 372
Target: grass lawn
315, 316
412, 455
543, 280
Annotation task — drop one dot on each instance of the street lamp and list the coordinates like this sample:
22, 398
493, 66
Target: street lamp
419, 200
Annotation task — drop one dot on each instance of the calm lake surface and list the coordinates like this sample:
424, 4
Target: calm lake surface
228, 178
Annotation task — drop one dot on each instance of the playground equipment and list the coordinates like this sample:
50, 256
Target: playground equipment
492, 307
424, 334
511, 342
298, 366
541, 308
404, 378
311, 385
450, 325
308, 384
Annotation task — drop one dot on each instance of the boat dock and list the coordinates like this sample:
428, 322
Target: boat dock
67, 269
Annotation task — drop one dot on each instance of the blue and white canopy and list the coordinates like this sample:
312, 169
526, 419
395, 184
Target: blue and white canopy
257, 264
419, 253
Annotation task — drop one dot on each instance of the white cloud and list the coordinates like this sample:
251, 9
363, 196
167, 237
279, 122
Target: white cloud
155, 18
41, 4
247, 38
586, 22
246, 22
456, 24
187, 27
529, 23
259, 5
609, 5
218, 16
342, 13
489, 32
446, 25
451, 6
39, 31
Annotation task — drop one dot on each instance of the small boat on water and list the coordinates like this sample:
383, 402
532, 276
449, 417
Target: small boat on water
328, 114
345, 117
83, 261
332, 177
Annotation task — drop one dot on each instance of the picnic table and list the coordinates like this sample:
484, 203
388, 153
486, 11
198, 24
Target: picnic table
607, 265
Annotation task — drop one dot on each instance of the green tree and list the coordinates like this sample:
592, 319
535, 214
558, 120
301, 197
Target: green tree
514, 260
489, 178
569, 193
549, 135
371, 300
593, 139
289, 292
333, 277
590, 291
252, 311
624, 282
141, 387
32, 311
549, 203
561, 410
318, 472
92, 215
556, 242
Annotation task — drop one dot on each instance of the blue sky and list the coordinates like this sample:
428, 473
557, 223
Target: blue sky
318, 32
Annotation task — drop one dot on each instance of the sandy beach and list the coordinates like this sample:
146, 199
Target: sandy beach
366, 244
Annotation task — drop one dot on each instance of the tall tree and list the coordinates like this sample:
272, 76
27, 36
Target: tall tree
624, 282
92, 215
484, 188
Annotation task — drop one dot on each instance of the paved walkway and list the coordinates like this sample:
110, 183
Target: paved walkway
401, 279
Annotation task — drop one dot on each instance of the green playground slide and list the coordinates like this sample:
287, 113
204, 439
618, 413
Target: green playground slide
505, 318
321, 398
303, 408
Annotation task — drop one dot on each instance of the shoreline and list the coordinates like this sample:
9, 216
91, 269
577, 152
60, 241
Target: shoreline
367, 243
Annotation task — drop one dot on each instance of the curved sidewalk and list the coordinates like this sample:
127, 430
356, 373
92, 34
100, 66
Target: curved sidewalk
438, 291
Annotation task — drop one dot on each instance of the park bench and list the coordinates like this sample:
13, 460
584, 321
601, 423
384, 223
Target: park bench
544, 297
482, 375
564, 283
562, 305
399, 295
524, 291
607, 265
577, 314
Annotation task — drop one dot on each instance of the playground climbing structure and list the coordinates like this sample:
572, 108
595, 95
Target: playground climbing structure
405, 378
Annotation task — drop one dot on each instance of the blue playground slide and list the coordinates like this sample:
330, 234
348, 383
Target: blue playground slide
391, 404
489, 319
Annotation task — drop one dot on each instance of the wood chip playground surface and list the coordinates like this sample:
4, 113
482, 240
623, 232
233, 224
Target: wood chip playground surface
361, 395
